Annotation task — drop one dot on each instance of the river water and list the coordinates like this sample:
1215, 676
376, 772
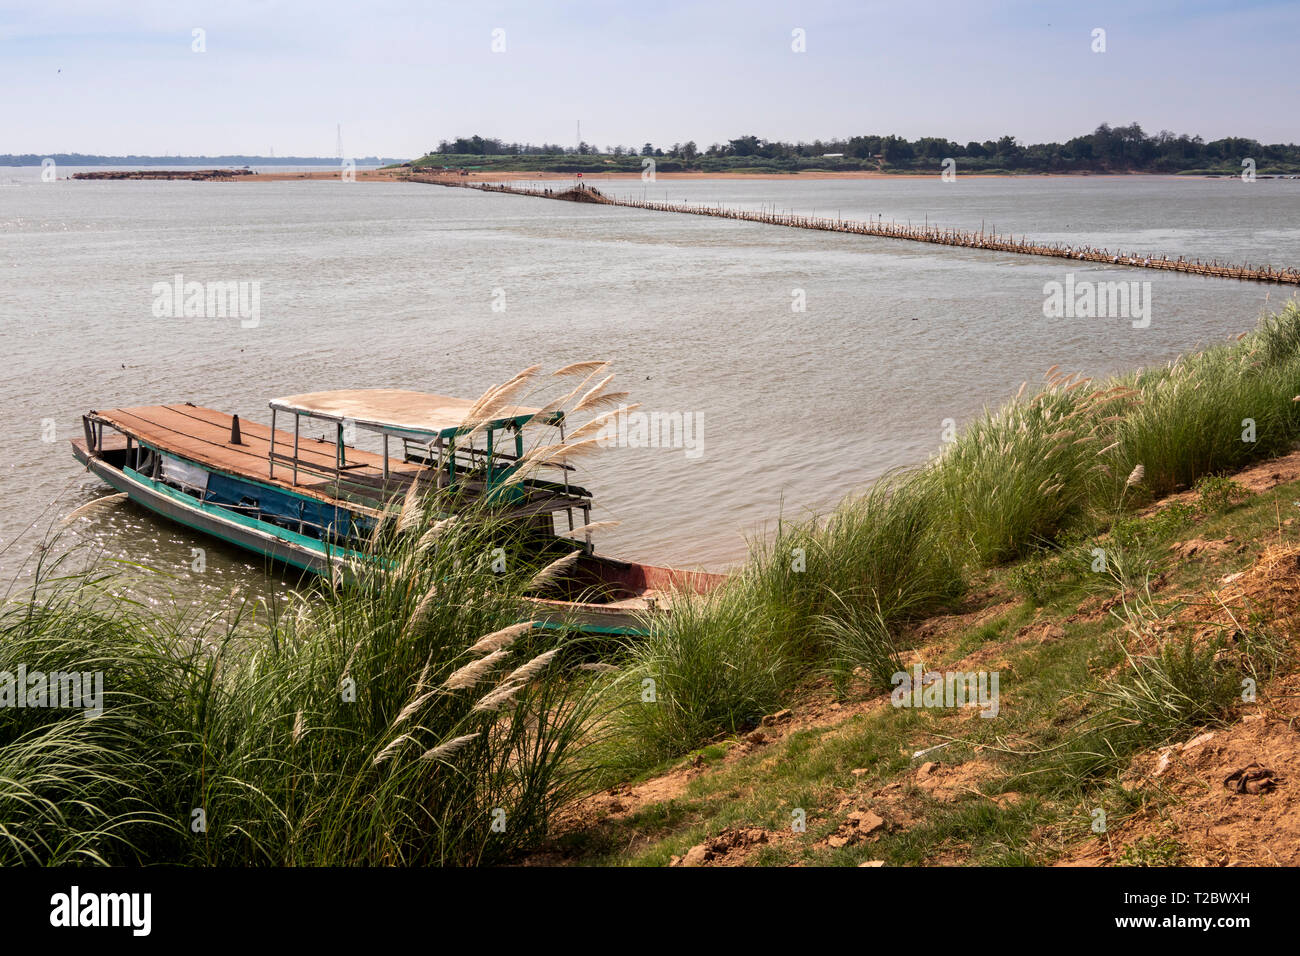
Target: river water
810, 362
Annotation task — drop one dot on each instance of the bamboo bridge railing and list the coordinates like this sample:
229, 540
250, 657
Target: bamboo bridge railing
892, 230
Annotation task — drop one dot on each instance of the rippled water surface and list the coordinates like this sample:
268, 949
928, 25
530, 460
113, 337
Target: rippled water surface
372, 285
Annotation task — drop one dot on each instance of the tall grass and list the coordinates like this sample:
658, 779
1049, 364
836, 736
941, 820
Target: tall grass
1072, 456
721, 661
1218, 410
1077, 451
712, 668
1015, 478
401, 717
404, 718
860, 641
886, 549
75, 789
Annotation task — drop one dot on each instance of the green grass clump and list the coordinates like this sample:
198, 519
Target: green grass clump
103, 789
701, 674
859, 641
884, 550
359, 725
381, 734
1148, 851
1216, 411
826, 594
1044, 575
1018, 477
1014, 479
1178, 686
1217, 493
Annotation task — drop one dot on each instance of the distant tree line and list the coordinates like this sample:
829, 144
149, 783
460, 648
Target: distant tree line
85, 159
1106, 149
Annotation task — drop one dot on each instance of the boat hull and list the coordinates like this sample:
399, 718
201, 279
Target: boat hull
305, 554
645, 589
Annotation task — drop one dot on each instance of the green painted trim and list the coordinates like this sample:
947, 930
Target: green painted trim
590, 628
315, 545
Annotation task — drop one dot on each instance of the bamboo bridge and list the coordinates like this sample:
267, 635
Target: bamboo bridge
938, 235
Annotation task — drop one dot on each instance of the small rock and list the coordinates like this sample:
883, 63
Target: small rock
837, 841
866, 821
1251, 778
872, 863
1198, 740
756, 737
925, 769
697, 855
1200, 546
859, 771
1050, 632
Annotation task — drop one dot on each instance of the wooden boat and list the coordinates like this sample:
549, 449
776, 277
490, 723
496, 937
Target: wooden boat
310, 502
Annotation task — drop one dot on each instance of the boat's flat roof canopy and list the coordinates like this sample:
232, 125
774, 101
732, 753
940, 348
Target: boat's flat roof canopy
396, 411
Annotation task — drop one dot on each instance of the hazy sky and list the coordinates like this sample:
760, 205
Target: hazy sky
117, 77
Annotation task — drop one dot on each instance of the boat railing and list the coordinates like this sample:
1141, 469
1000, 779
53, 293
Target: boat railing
299, 463
423, 453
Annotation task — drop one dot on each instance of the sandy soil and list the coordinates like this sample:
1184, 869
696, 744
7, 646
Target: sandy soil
1226, 796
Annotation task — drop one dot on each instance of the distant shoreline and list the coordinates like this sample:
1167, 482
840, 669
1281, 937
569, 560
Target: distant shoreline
391, 174
166, 162
401, 173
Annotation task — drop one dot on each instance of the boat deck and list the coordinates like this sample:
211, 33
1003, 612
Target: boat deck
203, 435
